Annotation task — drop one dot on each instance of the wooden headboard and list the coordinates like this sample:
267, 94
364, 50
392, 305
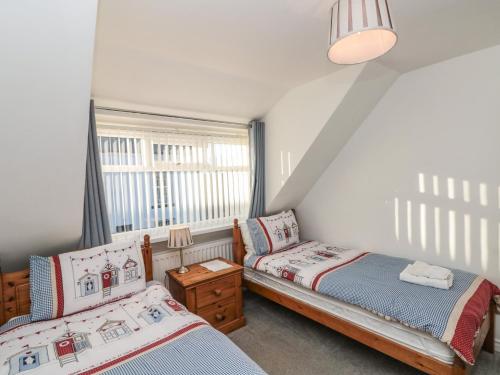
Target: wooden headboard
238, 245
15, 286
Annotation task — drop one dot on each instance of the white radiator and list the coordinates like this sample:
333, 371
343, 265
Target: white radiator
168, 259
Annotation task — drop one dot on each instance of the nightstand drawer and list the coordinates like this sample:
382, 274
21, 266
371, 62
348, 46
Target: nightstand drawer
219, 313
213, 295
215, 291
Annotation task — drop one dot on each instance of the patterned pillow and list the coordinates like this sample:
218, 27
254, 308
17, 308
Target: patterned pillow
79, 280
273, 233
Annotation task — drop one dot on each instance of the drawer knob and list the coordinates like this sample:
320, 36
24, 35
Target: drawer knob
217, 292
220, 317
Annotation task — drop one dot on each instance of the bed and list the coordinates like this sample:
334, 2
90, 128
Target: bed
147, 332
402, 342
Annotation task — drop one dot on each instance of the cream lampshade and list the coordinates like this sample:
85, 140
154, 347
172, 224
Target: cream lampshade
361, 30
180, 237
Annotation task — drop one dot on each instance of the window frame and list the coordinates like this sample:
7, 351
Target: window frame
147, 162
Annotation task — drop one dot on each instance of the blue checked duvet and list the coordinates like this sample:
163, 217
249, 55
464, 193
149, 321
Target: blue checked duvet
371, 281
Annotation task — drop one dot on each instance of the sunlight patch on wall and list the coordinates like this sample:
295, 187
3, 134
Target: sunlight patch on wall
282, 169
435, 185
483, 194
409, 222
451, 188
465, 242
466, 191
437, 230
467, 239
452, 234
421, 183
484, 244
396, 218
423, 226
289, 164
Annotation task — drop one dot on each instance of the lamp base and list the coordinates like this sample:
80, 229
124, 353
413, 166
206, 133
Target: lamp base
183, 269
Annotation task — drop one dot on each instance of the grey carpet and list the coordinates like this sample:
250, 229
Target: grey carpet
283, 342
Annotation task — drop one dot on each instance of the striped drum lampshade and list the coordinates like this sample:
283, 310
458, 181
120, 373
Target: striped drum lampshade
361, 30
179, 236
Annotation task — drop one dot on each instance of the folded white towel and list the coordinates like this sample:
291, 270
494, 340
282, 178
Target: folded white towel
422, 269
426, 281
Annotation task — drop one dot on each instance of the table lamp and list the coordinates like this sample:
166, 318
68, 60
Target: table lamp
179, 238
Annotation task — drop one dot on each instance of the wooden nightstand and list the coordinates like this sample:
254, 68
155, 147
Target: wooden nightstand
215, 296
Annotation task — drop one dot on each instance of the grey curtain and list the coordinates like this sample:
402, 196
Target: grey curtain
96, 230
257, 139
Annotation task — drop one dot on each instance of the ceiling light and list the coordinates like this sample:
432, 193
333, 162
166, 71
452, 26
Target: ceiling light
361, 30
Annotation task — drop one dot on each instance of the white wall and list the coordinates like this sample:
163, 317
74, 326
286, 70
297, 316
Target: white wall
295, 121
45, 75
314, 142
420, 178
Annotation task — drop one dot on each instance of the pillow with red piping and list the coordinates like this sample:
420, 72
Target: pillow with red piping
274, 233
80, 280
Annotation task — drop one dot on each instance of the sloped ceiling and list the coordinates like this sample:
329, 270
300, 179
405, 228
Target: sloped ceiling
318, 129
45, 77
238, 58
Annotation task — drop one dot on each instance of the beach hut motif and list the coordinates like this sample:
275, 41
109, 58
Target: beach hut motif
327, 254
89, 284
109, 278
68, 346
315, 257
113, 330
278, 233
174, 305
287, 232
290, 273
131, 270
295, 229
28, 359
154, 314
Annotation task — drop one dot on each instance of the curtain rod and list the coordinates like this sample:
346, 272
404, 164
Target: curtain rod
172, 116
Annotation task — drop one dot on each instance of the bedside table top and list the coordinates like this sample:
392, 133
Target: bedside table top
198, 274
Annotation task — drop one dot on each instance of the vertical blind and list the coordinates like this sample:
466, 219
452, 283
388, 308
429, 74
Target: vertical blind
154, 179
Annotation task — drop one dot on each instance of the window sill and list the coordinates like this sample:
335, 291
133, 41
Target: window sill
164, 237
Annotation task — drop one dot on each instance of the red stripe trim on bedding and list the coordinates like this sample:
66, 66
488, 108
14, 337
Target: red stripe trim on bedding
295, 245
59, 286
269, 242
146, 348
470, 321
257, 262
317, 278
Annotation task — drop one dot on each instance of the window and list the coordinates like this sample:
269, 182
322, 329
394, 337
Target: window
154, 178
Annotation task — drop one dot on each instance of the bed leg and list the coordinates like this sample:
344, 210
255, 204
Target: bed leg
489, 341
459, 368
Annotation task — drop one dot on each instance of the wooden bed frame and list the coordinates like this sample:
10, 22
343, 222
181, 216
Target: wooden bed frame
15, 287
425, 363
